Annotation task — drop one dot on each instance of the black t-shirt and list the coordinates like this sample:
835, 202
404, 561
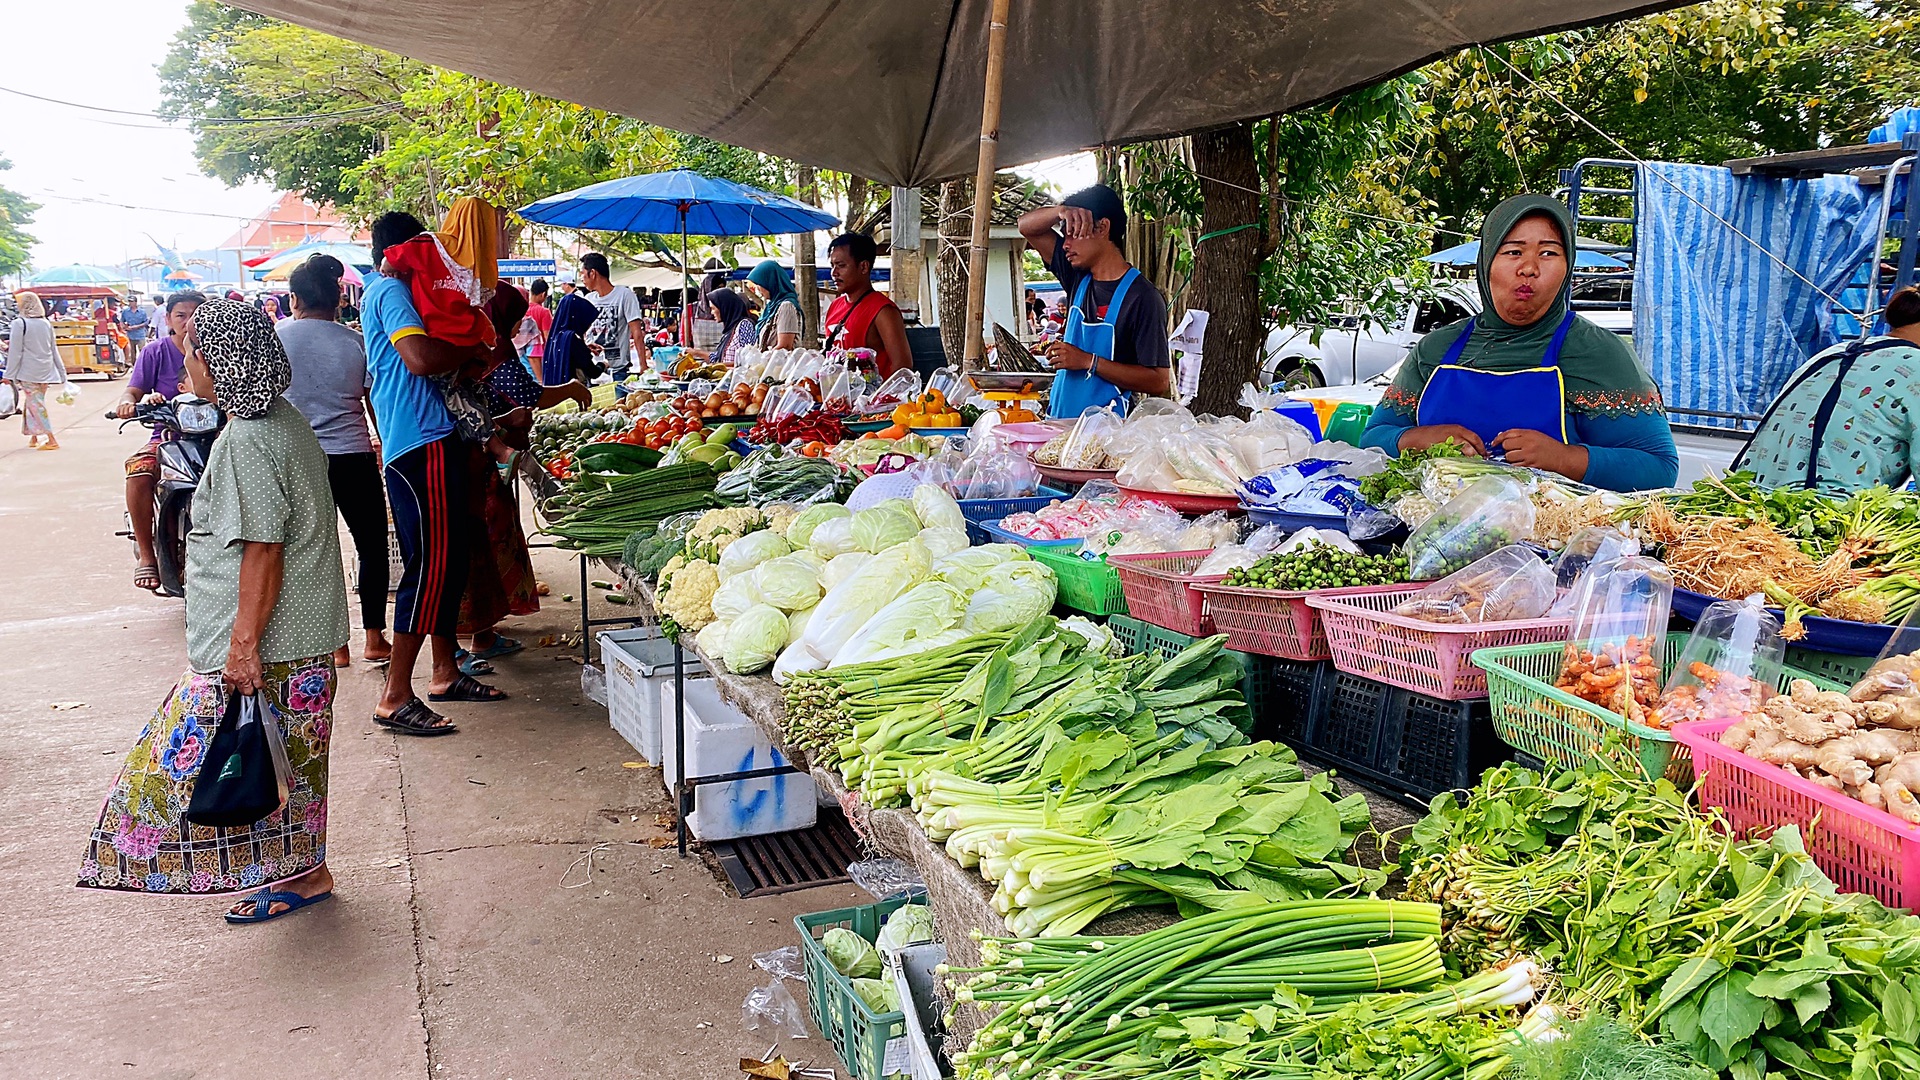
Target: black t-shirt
1139, 331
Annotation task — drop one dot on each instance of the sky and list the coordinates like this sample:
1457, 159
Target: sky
105, 181
86, 168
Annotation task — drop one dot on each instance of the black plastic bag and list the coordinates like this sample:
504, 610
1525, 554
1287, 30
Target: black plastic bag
244, 775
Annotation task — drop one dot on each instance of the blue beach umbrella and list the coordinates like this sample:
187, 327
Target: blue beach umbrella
1468, 254
681, 201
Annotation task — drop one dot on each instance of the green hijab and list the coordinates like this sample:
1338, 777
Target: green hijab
1601, 374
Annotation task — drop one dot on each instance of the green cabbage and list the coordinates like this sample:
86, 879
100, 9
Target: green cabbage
944, 541
850, 954
832, 537
750, 551
712, 639
878, 994
840, 567
883, 526
970, 569
797, 624
755, 639
735, 596
936, 509
910, 924
1013, 595
790, 582
1099, 636
902, 627
800, 532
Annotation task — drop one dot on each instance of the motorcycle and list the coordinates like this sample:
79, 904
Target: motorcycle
193, 423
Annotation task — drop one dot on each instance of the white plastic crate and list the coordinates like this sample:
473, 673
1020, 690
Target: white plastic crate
912, 969
721, 739
637, 662
395, 564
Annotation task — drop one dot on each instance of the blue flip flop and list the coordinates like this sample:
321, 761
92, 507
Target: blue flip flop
470, 664
502, 646
264, 900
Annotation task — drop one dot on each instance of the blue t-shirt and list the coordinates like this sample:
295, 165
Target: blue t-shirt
408, 408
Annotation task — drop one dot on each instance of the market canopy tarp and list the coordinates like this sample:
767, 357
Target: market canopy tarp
892, 89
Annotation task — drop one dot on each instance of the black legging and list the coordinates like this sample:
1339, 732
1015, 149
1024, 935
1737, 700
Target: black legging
361, 495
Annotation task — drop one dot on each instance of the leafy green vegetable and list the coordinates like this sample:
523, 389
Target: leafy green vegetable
755, 638
850, 954
1402, 474
910, 924
800, 531
878, 994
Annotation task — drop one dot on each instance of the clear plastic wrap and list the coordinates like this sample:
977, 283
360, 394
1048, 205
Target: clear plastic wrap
837, 388
1444, 479
1309, 537
896, 389
1088, 441
884, 879
1490, 514
1729, 667
1268, 441
771, 1011
1203, 461
995, 471
1620, 613
1593, 545
787, 402
1509, 584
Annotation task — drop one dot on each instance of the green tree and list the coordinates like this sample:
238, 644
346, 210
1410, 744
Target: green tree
229, 65
16, 213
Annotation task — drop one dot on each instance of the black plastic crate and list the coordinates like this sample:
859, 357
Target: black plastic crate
1407, 746
1289, 692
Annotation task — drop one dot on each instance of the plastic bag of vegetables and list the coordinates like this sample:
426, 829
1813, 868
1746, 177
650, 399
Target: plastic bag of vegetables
755, 638
1490, 514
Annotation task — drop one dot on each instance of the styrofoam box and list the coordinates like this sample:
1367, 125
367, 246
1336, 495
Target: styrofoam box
637, 662
913, 978
722, 739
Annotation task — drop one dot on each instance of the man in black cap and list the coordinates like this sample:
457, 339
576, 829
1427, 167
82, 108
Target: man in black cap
1115, 341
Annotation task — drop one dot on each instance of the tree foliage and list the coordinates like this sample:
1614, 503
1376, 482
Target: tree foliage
16, 213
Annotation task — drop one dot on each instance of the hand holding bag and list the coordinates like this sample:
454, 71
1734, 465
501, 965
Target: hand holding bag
244, 775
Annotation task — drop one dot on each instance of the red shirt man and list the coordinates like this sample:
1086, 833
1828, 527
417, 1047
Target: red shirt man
860, 317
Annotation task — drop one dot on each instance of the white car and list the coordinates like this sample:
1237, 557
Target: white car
1357, 348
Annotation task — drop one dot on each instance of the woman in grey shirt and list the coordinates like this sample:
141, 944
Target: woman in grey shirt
33, 367
329, 388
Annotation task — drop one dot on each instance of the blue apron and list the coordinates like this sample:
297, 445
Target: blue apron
1490, 402
1074, 392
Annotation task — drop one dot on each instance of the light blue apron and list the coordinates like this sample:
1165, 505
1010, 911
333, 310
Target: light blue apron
1074, 392
1490, 402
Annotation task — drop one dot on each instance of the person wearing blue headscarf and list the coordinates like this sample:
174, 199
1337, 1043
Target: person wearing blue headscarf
779, 325
567, 350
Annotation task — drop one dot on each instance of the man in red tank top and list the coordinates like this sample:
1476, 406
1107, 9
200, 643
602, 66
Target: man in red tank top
860, 317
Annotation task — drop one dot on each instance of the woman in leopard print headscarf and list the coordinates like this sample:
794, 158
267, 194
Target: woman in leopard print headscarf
243, 355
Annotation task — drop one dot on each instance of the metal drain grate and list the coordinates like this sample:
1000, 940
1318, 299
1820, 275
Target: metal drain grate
789, 861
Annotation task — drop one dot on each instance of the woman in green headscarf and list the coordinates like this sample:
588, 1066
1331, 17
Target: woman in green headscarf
779, 325
1527, 379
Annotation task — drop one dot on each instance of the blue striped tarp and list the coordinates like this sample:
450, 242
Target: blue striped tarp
1719, 324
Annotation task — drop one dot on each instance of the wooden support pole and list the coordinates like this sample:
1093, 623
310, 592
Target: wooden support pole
983, 185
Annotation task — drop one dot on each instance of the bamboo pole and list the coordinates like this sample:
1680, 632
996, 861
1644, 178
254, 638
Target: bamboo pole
983, 185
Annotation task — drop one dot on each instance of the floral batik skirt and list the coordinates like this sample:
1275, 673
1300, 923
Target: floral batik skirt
141, 844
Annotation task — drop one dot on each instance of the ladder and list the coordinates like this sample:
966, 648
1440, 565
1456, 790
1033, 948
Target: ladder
1601, 192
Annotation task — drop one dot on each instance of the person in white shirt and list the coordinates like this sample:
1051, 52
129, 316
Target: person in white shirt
620, 332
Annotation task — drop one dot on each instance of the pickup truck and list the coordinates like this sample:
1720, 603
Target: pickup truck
1356, 358
1357, 348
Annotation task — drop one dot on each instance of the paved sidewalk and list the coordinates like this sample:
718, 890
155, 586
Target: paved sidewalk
452, 948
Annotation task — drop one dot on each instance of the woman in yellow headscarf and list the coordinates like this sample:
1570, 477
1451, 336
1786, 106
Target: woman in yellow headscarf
471, 234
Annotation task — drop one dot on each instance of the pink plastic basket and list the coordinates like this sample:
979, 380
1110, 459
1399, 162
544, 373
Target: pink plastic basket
1274, 623
1160, 590
1862, 849
1366, 638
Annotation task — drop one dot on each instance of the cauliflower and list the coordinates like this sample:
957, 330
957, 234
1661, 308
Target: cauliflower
689, 599
781, 516
718, 528
665, 580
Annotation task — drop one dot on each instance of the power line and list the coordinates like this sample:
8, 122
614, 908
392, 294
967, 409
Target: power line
359, 112
189, 213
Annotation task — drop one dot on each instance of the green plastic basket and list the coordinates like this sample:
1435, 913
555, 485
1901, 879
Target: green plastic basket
1558, 728
1088, 585
860, 1036
1836, 666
